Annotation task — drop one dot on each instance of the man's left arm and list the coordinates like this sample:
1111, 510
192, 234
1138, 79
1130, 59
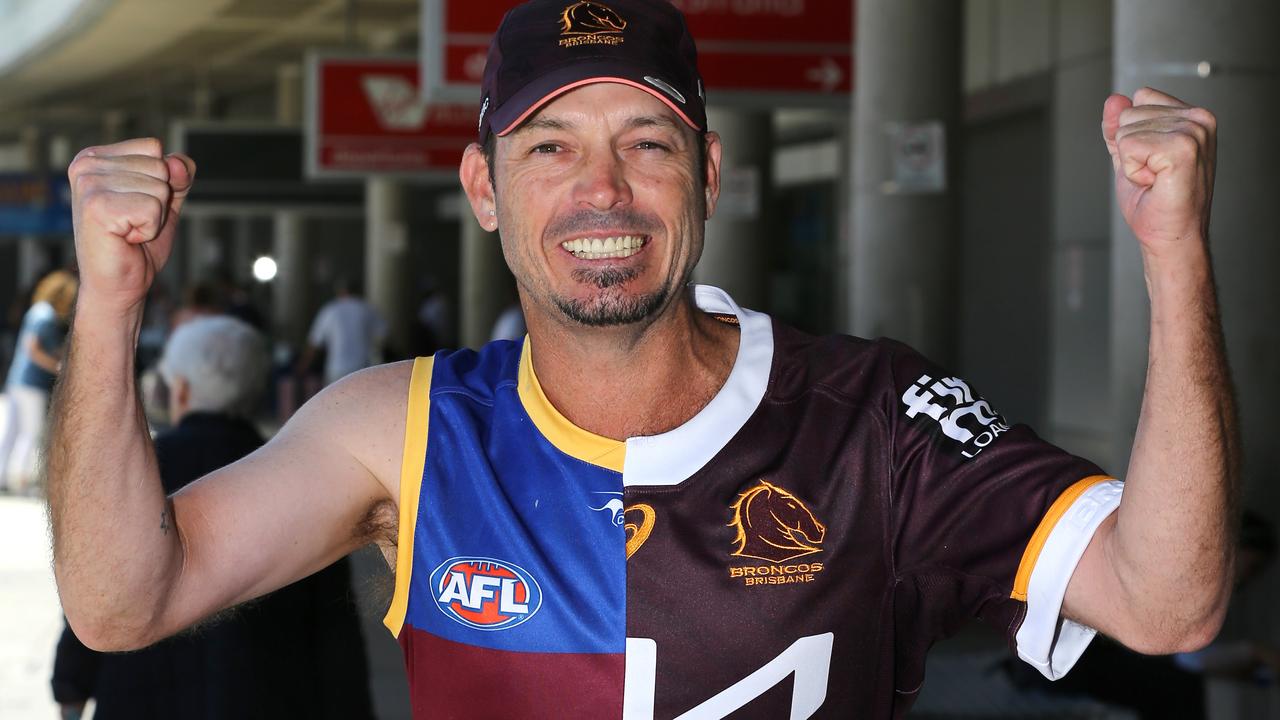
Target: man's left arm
1157, 574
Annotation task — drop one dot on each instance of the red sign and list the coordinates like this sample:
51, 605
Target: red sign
366, 116
753, 50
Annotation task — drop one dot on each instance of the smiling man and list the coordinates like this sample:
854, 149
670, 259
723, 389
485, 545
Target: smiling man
659, 504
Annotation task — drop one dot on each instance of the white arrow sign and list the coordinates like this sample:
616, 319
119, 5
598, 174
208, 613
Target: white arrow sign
828, 74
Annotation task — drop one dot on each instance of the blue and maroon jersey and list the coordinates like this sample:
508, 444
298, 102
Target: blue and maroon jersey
793, 550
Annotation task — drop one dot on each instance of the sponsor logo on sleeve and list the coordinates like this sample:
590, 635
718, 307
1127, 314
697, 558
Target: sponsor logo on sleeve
590, 23
775, 526
966, 419
484, 593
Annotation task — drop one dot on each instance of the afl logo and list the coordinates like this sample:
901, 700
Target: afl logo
484, 593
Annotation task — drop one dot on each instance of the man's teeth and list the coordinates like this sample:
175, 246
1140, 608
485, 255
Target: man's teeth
600, 248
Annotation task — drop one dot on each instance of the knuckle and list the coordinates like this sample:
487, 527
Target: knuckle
1203, 117
85, 183
84, 162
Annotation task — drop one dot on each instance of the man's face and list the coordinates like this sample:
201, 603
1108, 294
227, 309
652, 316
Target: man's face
601, 204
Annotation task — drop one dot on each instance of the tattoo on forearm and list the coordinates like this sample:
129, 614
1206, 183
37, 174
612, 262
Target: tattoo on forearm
164, 520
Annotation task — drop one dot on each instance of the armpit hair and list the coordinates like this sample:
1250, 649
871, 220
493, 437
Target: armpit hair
380, 526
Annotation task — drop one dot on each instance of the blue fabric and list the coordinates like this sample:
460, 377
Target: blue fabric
41, 322
495, 489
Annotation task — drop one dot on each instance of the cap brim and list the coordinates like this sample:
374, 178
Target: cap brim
529, 99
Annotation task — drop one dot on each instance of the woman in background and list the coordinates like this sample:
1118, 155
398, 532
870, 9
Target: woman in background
36, 360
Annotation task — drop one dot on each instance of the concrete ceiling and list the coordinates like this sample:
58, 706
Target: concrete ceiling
152, 58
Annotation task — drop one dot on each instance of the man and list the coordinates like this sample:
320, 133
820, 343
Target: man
350, 331
297, 652
662, 504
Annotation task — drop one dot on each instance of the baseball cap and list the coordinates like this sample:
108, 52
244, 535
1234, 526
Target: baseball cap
545, 48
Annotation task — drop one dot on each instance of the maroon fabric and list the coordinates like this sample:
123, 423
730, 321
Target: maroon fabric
463, 681
915, 538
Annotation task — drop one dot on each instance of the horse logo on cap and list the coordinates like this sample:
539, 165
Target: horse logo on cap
774, 525
590, 23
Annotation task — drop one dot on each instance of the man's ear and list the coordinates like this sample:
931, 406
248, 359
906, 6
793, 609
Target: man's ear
474, 174
179, 397
712, 139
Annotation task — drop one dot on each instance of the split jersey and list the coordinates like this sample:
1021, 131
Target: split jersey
793, 550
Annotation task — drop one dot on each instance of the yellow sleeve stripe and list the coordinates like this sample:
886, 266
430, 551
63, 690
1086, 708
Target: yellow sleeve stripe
1050, 520
411, 467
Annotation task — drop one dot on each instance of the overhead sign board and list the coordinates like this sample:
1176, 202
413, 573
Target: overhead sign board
756, 52
254, 164
366, 116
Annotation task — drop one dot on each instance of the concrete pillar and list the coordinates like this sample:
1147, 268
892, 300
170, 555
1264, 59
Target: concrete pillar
33, 143
114, 126
202, 248
1221, 56
485, 279
33, 259
291, 288
736, 253
386, 257
289, 94
903, 240
202, 99
242, 256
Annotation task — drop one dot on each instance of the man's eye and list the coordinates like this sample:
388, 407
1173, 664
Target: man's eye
545, 148
650, 145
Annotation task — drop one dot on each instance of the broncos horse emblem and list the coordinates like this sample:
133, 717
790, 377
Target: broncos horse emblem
774, 525
589, 18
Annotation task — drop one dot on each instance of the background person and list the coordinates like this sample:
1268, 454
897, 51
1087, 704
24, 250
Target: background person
349, 330
297, 652
37, 358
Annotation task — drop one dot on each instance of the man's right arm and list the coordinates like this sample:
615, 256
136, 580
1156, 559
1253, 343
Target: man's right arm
132, 565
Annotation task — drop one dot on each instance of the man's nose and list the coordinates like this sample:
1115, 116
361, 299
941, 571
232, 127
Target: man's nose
603, 184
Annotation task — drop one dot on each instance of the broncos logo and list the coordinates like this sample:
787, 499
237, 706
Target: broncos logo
774, 525
638, 532
589, 18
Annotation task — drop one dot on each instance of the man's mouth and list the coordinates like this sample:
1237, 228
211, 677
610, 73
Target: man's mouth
620, 246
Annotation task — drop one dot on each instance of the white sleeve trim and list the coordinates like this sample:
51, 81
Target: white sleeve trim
1047, 641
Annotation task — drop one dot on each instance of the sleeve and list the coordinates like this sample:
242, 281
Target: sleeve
49, 335
319, 327
990, 520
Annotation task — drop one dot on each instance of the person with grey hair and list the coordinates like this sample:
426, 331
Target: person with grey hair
214, 364
268, 659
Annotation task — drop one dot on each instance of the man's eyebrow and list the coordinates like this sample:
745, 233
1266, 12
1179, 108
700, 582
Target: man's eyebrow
652, 121
545, 123
555, 123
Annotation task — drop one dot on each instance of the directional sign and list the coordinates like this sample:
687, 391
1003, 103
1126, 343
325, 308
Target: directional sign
366, 115
763, 53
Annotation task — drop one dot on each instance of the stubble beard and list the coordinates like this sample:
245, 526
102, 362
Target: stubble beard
612, 306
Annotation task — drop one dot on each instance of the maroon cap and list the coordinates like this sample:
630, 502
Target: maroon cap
545, 48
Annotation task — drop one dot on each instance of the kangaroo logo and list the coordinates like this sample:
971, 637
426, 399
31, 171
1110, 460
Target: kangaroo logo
774, 525
613, 507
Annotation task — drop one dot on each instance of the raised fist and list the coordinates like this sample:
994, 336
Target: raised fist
125, 202
1163, 152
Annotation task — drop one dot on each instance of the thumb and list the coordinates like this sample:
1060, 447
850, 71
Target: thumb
182, 172
1111, 109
